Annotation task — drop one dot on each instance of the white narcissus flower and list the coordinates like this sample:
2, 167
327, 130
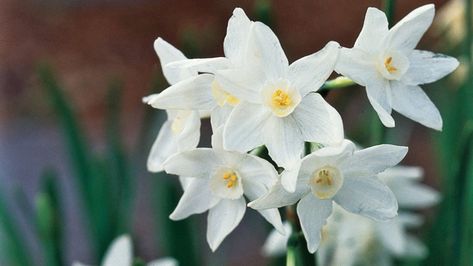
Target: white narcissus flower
386, 62
120, 253
181, 131
279, 107
338, 174
219, 182
276, 243
204, 92
353, 239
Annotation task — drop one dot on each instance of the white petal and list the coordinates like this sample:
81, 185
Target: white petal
197, 198
119, 253
276, 243
310, 72
220, 115
373, 160
167, 54
415, 248
245, 126
235, 42
412, 102
283, 139
313, 214
408, 31
289, 177
164, 146
318, 121
189, 136
357, 65
412, 195
367, 196
195, 163
427, 67
392, 236
278, 197
401, 172
267, 53
222, 219
243, 83
379, 94
375, 28
203, 65
192, 93
163, 262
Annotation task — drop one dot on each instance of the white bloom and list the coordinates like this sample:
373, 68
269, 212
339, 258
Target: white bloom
387, 64
203, 92
278, 106
120, 253
354, 240
181, 131
219, 182
276, 243
343, 175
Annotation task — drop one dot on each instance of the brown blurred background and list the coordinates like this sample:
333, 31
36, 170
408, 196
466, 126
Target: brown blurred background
91, 42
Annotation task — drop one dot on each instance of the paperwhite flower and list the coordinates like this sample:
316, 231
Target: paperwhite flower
219, 182
353, 240
120, 253
276, 243
343, 175
181, 131
203, 92
279, 108
387, 64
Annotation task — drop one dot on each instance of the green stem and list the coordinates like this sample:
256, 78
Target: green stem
389, 7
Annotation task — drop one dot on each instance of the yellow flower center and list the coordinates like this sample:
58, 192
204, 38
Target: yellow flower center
281, 99
325, 182
221, 96
388, 64
230, 178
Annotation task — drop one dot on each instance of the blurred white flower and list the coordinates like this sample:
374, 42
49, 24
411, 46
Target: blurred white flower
120, 253
279, 107
338, 174
276, 243
181, 131
219, 182
386, 63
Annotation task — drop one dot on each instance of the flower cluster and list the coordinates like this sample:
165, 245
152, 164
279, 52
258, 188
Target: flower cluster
256, 100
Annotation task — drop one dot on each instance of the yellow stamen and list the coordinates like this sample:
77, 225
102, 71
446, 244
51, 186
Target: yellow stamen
388, 64
221, 96
281, 99
231, 179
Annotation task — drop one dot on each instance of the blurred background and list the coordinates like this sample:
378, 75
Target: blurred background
75, 136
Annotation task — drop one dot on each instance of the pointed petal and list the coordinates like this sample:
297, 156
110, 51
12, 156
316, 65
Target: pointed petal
379, 97
220, 115
373, 160
222, 219
289, 177
163, 147
367, 196
194, 163
267, 52
167, 54
313, 214
197, 198
283, 139
243, 130
412, 102
243, 83
415, 248
192, 93
236, 40
278, 197
202, 65
310, 72
189, 136
119, 253
318, 121
392, 236
276, 243
406, 34
375, 28
357, 65
427, 67
412, 195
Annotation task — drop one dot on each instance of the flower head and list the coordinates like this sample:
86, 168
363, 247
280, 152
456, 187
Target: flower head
386, 62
